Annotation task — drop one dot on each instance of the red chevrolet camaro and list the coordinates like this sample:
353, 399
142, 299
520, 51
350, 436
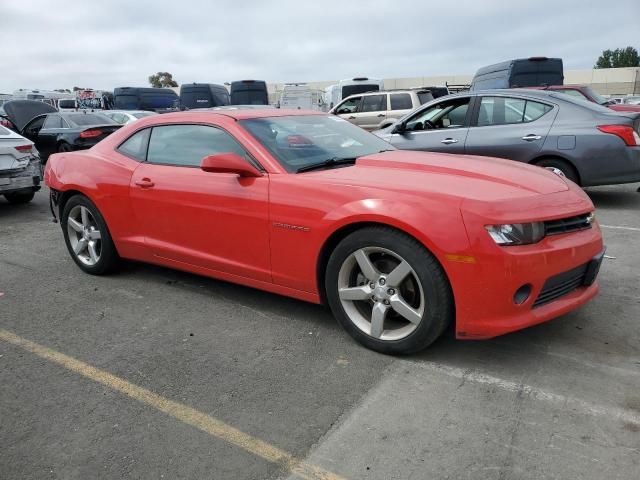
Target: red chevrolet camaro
398, 243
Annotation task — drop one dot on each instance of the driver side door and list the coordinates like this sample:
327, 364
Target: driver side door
349, 109
218, 221
440, 127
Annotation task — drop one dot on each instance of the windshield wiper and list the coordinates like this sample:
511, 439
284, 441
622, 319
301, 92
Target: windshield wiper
331, 162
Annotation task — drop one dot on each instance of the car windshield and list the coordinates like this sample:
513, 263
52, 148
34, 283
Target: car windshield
143, 114
84, 119
302, 140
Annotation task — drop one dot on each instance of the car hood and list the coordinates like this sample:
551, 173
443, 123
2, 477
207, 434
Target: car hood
21, 112
460, 176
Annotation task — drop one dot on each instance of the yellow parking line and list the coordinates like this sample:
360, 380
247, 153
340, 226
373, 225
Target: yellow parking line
183, 413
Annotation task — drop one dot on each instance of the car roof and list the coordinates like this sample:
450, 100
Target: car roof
123, 111
241, 114
510, 91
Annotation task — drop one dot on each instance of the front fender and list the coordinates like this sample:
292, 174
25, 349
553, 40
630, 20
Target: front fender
438, 226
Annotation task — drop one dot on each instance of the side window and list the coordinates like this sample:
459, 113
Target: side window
187, 145
449, 114
374, 103
53, 121
534, 110
514, 110
136, 145
351, 105
401, 101
504, 111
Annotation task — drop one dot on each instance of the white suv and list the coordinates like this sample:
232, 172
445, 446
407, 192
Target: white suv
374, 110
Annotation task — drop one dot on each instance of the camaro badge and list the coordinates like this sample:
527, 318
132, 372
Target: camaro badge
291, 227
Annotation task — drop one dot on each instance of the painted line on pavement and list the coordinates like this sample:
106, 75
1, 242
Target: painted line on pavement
180, 412
616, 227
536, 393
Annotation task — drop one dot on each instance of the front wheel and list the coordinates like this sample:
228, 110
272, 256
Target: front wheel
388, 291
87, 236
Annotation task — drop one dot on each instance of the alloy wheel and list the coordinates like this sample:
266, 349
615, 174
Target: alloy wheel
381, 293
85, 238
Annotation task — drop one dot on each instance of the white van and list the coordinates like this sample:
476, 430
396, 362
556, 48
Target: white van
296, 95
350, 86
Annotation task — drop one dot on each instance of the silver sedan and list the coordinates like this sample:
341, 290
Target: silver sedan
590, 144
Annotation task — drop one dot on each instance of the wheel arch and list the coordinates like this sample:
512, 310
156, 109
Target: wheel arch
64, 196
342, 232
566, 160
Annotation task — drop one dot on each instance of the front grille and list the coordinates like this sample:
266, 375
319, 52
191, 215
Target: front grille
560, 285
569, 224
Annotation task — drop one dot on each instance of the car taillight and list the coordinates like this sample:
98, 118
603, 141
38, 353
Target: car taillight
23, 148
628, 135
90, 133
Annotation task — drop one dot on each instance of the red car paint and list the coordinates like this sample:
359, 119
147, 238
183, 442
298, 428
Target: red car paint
269, 232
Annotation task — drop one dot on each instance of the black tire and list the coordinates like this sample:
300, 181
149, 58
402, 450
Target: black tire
565, 167
439, 308
108, 259
18, 198
64, 147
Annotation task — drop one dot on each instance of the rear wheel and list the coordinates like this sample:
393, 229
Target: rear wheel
19, 197
565, 167
388, 291
87, 236
64, 147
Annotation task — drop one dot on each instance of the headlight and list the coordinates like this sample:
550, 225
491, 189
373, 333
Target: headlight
516, 233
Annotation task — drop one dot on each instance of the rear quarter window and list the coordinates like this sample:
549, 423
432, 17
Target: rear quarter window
136, 145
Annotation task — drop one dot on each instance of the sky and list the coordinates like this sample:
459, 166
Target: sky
112, 43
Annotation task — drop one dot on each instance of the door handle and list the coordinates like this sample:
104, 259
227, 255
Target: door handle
352, 117
145, 183
531, 137
381, 115
449, 141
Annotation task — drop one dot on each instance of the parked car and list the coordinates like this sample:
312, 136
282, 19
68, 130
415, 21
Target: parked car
53, 131
152, 99
631, 100
585, 92
399, 244
203, 95
20, 169
377, 109
124, 117
249, 92
522, 72
590, 144
4, 120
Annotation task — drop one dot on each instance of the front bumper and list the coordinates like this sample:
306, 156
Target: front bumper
28, 178
485, 291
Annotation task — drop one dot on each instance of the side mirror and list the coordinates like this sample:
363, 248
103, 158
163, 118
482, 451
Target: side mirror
399, 128
229, 163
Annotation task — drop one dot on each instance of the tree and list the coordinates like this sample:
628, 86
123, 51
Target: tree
162, 79
618, 58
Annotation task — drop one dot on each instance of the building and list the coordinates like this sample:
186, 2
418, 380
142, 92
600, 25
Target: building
606, 81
